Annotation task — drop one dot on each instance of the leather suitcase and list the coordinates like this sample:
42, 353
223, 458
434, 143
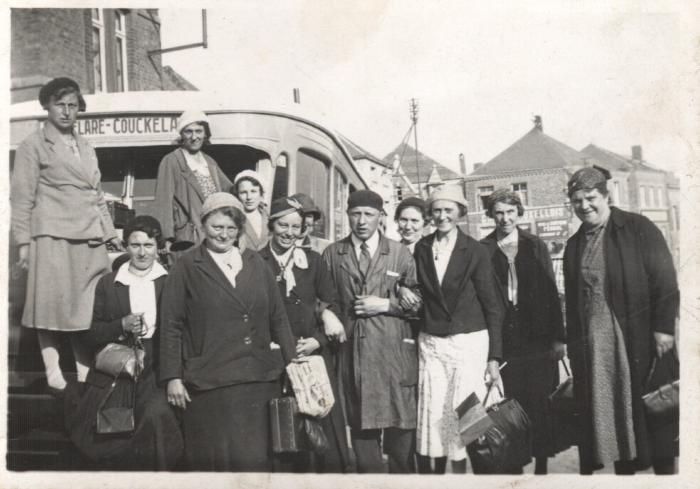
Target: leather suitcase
286, 425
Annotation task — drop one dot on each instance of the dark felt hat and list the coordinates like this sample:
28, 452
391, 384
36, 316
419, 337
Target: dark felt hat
366, 198
308, 204
410, 202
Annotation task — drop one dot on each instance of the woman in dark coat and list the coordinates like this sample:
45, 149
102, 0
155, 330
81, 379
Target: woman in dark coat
222, 312
126, 306
533, 335
309, 298
621, 303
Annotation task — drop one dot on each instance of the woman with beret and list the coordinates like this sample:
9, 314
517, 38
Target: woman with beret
309, 298
61, 223
186, 177
460, 331
249, 187
223, 324
127, 308
533, 334
411, 218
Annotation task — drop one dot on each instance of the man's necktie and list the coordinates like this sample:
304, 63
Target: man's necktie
364, 258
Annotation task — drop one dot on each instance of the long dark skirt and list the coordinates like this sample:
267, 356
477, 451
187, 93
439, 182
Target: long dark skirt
155, 444
228, 428
530, 377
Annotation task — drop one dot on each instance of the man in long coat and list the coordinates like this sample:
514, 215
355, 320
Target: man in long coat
639, 288
378, 364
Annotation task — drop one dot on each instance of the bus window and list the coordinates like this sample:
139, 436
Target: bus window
312, 179
280, 186
340, 193
114, 166
234, 158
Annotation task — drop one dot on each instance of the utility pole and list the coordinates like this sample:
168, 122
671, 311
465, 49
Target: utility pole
414, 119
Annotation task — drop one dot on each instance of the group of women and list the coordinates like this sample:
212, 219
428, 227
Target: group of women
250, 295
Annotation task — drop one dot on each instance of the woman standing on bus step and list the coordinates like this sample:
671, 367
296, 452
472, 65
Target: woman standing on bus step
61, 223
186, 177
249, 187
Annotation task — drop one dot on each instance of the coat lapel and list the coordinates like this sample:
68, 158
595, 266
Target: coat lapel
188, 174
454, 275
65, 156
425, 254
350, 265
122, 293
208, 266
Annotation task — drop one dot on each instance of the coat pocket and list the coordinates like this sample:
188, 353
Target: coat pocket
409, 362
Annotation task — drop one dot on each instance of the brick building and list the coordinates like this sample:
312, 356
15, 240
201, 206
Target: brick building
538, 168
104, 50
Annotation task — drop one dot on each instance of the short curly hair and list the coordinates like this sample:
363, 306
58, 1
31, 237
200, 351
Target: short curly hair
505, 196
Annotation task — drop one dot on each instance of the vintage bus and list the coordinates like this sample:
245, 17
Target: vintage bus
131, 132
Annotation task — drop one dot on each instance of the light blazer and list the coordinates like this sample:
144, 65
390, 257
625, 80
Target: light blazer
179, 198
468, 299
54, 194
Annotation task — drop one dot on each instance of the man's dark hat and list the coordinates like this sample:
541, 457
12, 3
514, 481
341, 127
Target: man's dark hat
366, 198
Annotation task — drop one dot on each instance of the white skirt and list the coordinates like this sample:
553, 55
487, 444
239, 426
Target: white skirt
450, 369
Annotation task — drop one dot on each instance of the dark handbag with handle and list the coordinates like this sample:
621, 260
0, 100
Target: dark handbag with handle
563, 411
505, 447
662, 404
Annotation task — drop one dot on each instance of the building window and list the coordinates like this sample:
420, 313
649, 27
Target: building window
521, 190
481, 197
616, 192
98, 50
120, 51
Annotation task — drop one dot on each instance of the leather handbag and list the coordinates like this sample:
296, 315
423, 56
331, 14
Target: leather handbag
286, 425
315, 436
114, 420
662, 404
507, 446
116, 359
564, 415
311, 385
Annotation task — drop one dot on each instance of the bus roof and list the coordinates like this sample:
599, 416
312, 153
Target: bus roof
176, 102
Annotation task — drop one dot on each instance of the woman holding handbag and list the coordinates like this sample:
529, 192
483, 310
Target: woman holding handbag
533, 334
126, 313
460, 337
309, 298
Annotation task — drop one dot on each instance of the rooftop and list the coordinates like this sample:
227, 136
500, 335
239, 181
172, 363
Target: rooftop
407, 156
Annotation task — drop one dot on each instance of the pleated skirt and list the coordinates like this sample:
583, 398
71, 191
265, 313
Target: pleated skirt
61, 283
450, 369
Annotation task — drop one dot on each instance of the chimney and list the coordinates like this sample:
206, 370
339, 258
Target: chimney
637, 153
462, 164
538, 122
297, 96
477, 166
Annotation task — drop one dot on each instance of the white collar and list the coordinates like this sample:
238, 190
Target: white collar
124, 276
510, 239
372, 242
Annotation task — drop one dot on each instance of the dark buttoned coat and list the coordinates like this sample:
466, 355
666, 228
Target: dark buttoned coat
215, 335
642, 292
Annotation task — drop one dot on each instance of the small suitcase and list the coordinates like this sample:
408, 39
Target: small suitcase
286, 425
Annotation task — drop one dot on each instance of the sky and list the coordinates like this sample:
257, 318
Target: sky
615, 76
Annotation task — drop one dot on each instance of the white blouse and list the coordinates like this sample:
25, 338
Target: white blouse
142, 293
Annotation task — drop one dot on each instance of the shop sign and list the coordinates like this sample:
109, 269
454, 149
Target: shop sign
119, 126
554, 229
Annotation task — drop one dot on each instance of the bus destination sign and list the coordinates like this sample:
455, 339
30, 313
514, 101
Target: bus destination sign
127, 126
